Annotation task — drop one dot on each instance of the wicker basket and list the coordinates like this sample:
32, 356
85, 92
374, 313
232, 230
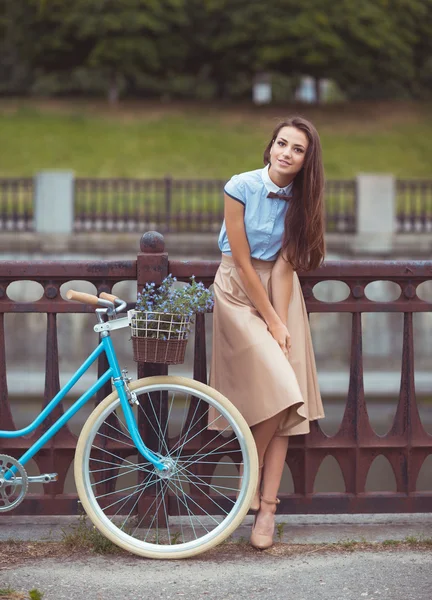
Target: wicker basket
159, 337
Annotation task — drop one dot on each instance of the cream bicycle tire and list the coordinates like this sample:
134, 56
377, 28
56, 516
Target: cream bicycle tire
248, 482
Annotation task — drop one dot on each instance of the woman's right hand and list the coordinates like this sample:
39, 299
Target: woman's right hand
281, 334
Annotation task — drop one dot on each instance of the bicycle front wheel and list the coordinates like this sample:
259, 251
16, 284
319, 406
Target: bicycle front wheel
199, 500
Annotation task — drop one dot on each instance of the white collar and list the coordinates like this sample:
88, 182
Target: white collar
272, 187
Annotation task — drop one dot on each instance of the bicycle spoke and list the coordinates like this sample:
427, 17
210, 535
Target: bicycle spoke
191, 516
111, 454
204, 483
121, 475
151, 424
131, 487
124, 432
166, 515
138, 467
155, 516
193, 456
200, 431
135, 504
129, 496
201, 508
108, 437
191, 424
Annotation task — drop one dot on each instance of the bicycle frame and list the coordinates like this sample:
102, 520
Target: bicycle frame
114, 372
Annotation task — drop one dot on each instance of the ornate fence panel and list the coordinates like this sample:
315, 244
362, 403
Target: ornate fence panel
189, 205
16, 204
178, 205
354, 446
414, 205
124, 205
340, 206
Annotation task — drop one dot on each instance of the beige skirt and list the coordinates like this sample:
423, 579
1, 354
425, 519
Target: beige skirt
248, 365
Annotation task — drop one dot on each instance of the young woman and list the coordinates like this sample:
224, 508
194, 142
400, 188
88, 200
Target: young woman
262, 357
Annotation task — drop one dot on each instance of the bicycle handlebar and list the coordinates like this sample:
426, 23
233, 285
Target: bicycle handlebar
110, 297
83, 297
107, 301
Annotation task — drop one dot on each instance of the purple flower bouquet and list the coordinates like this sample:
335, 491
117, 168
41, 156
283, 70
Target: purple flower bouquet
161, 321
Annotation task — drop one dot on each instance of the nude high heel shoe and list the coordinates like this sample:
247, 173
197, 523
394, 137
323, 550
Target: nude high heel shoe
261, 541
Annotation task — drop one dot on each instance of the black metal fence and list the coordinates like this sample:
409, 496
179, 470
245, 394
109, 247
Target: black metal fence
414, 205
187, 205
16, 204
179, 205
135, 205
341, 206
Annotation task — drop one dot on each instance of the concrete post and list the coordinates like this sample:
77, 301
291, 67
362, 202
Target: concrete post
54, 202
376, 214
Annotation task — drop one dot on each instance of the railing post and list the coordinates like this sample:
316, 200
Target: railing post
376, 214
152, 266
54, 202
168, 201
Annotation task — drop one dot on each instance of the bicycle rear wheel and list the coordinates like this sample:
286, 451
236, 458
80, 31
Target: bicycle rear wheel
193, 506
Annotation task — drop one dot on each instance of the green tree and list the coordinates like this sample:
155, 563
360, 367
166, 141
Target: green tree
15, 73
223, 41
421, 85
354, 43
119, 38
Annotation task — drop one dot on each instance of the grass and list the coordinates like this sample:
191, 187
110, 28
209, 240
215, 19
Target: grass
85, 536
204, 141
11, 594
84, 543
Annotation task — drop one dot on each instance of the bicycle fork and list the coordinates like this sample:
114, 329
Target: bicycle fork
128, 399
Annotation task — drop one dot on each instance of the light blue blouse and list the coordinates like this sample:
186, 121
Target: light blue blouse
263, 217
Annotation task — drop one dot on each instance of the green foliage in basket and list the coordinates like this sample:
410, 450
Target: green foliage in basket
165, 303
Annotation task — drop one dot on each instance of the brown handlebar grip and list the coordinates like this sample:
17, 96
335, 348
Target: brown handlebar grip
109, 297
83, 297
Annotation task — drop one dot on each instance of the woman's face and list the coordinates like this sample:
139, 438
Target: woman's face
287, 155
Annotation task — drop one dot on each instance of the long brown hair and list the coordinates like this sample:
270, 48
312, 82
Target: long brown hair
303, 240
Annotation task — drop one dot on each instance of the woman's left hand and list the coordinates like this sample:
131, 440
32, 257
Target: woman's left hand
281, 334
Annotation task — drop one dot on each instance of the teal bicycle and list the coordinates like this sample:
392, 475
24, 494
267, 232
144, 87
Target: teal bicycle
145, 459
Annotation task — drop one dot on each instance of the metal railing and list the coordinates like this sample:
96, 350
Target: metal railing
166, 205
117, 205
179, 205
355, 446
16, 204
192, 205
341, 206
414, 205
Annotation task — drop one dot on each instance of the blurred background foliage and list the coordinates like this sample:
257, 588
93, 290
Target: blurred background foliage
213, 49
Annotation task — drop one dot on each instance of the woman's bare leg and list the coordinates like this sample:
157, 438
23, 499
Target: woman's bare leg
263, 433
274, 461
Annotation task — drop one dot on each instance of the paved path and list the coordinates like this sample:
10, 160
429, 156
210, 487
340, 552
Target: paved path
296, 529
235, 571
389, 575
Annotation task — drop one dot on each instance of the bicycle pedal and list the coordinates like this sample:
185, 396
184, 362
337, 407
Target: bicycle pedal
44, 478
